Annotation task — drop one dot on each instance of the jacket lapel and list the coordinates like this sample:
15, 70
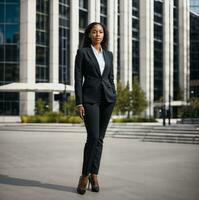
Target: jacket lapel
94, 60
105, 59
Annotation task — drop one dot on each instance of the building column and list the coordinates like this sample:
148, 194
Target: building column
93, 11
112, 27
74, 35
184, 46
130, 47
147, 52
54, 49
125, 40
27, 53
168, 52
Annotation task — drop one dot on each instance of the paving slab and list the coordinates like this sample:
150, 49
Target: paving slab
47, 165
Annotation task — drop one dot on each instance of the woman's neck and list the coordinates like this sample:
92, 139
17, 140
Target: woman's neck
97, 47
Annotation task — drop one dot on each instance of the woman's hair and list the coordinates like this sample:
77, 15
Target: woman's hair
86, 42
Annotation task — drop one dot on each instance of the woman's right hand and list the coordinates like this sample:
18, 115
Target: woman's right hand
81, 111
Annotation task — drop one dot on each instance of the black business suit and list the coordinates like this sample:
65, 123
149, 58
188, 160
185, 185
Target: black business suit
96, 92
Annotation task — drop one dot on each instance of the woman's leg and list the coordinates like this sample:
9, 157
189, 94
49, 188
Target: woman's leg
105, 111
91, 120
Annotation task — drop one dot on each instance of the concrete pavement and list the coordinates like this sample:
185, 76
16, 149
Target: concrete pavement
46, 166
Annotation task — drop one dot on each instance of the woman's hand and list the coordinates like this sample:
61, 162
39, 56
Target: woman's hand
81, 111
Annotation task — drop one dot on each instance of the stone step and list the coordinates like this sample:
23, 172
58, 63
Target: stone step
172, 141
177, 134
109, 131
153, 131
186, 140
130, 130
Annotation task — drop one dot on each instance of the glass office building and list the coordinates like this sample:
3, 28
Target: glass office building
39, 40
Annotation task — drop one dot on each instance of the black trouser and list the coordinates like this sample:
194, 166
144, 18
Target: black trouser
96, 120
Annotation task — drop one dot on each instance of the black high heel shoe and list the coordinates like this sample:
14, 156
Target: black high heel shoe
81, 188
94, 186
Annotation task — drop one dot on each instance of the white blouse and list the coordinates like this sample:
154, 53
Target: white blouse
100, 58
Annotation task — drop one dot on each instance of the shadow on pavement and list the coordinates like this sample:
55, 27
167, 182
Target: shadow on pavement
4, 179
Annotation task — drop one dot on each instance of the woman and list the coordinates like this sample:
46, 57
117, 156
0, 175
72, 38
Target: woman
95, 98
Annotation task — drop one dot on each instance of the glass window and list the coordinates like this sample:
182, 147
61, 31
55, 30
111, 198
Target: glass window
64, 1
42, 40
158, 7
1, 73
83, 18
41, 56
2, 36
12, 1
135, 3
12, 33
103, 20
1, 53
12, 13
64, 37
42, 6
11, 73
135, 13
81, 35
135, 23
2, 13
83, 4
11, 52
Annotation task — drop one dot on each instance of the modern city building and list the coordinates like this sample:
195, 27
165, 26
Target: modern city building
39, 39
194, 48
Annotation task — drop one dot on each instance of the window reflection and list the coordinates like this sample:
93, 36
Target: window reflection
12, 32
135, 40
158, 50
103, 12
42, 40
9, 54
64, 44
12, 13
83, 18
1, 34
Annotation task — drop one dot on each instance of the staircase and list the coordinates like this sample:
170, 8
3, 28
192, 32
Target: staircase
156, 133
178, 133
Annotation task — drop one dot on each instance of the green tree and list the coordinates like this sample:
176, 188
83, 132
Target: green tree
122, 102
40, 107
192, 110
69, 106
138, 101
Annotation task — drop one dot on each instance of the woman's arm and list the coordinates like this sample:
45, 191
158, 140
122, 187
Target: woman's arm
111, 75
78, 77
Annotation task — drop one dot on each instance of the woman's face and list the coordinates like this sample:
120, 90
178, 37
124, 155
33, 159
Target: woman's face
97, 34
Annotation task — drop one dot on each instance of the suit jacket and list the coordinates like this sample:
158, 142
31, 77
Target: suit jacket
88, 78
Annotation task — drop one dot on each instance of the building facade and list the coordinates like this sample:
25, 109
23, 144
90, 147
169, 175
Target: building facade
194, 48
39, 39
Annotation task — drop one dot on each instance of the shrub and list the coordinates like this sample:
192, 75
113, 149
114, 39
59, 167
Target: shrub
134, 119
51, 117
25, 119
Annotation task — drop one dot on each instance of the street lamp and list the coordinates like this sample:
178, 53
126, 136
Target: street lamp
169, 107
